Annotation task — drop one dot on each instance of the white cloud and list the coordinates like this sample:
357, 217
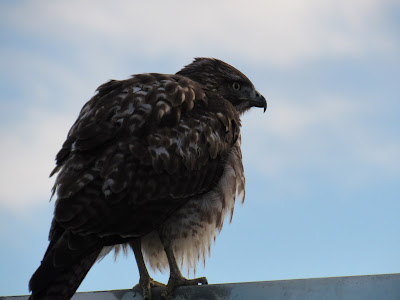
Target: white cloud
280, 33
27, 158
324, 135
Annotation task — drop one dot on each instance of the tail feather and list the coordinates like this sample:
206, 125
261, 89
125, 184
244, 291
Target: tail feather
65, 265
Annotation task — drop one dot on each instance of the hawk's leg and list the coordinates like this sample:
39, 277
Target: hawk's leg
145, 281
175, 278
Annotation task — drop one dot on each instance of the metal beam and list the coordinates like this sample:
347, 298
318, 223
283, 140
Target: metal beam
370, 287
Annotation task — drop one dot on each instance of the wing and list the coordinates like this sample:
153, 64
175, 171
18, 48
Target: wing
138, 151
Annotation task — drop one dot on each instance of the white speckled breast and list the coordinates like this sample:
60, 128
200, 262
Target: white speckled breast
194, 226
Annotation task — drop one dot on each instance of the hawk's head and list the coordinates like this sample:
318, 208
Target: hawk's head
227, 81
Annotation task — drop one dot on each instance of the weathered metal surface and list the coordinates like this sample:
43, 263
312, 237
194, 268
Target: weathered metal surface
370, 287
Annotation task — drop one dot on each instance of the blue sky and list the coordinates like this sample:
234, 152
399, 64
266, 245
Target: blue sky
322, 164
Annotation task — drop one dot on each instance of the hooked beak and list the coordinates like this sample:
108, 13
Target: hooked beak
259, 101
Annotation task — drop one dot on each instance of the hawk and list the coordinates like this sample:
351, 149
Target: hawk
152, 163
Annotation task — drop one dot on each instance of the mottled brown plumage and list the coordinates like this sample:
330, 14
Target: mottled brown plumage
153, 162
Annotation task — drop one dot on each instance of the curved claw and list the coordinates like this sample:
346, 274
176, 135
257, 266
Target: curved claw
175, 282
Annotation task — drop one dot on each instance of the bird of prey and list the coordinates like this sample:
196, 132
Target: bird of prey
152, 163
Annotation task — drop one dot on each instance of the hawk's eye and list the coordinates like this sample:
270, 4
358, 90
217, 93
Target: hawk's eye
236, 86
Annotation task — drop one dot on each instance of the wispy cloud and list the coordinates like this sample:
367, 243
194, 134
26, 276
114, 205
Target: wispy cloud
320, 135
283, 33
26, 158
